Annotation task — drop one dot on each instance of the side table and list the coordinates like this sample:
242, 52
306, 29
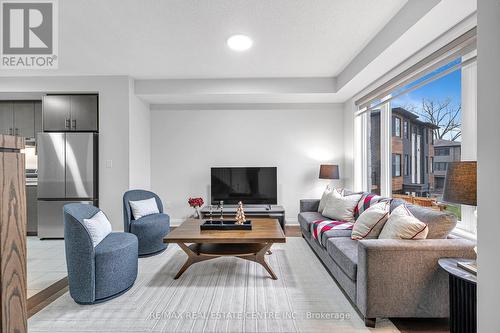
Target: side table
463, 296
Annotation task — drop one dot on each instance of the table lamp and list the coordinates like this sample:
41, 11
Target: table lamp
460, 187
329, 171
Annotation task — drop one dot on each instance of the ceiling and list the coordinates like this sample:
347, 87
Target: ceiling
305, 51
186, 38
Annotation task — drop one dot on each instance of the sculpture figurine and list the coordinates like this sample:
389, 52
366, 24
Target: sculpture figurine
240, 214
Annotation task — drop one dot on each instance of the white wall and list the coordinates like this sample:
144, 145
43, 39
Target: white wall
488, 143
186, 143
113, 129
139, 142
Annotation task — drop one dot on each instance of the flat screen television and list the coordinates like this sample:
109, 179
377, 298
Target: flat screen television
255, 185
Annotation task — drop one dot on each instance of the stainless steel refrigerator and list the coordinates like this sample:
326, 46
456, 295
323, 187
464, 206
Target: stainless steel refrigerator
67, 172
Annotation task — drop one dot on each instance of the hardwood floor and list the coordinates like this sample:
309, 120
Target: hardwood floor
40, 300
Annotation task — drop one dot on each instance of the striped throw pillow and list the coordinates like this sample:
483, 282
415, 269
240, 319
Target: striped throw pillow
366, 201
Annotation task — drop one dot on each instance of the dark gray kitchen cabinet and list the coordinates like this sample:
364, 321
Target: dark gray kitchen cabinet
6, 118
19, 118
24, 119
84, 112
38, 117
70, 113
57, 113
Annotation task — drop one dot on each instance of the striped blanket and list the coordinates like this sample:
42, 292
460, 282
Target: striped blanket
319, 227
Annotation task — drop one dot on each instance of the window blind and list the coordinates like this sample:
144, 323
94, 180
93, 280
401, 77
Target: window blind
399, 85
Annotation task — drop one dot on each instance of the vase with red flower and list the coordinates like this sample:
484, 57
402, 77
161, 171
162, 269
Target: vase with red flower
196, 203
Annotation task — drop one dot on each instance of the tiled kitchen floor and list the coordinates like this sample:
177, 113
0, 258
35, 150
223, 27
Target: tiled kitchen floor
46, 263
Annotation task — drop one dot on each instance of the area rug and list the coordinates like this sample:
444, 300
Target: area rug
220, 295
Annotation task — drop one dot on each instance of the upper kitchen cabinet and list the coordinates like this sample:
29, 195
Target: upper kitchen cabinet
24, 119
56, 113
38, 117
20, 118
70, 113
84, 112
6, 118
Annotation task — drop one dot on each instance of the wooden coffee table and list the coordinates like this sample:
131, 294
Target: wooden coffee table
210, 244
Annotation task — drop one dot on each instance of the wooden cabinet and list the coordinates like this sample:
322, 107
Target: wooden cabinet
13, 316
70, 113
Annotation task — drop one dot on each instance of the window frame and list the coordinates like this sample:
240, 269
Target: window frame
396, 172
396, 131
406, 133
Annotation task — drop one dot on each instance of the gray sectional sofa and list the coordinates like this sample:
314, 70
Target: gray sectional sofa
390, 278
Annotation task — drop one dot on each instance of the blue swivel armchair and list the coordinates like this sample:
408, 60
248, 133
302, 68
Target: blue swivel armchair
97, 274
149, 229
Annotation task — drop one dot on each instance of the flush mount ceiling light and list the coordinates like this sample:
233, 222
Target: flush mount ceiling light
239, 43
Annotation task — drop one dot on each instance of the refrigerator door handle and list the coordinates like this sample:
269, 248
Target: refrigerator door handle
74, 123
67, 123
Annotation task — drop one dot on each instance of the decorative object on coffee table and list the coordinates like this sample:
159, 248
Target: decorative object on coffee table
460, 187
240, 214
226, 225
196, 203
205, 244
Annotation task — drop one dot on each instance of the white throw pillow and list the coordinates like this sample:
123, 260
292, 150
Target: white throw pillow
403, 225
328, 190
98, 227
340, 208
142, 208
370, 223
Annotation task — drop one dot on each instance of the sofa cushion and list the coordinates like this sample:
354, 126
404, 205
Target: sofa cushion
344, 251
403, 225
115, 264
341, 208
370, 223
366, 201
306, 218
440, 223
324, 197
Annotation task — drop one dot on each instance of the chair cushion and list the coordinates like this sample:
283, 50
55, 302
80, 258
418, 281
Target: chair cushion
150, 231
98, 227
115, 264
344, 251
144, 207
157, 224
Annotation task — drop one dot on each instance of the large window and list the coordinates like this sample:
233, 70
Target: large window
422, 126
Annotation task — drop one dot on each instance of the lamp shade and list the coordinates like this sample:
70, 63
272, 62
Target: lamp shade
460, 185
329, 171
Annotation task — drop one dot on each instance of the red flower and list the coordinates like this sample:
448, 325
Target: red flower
195, 202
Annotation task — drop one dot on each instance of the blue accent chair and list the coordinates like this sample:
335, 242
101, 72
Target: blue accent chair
149, 229
97, 274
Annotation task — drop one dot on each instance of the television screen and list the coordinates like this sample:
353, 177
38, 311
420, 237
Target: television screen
249, 185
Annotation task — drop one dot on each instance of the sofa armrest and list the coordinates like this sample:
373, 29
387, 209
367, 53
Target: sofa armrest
309, 205
402, 278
